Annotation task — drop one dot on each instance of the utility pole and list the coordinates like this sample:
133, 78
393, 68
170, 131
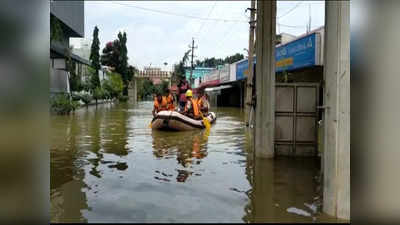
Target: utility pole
249, 86
191, 70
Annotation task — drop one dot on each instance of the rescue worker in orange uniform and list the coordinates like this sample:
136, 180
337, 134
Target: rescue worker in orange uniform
192, 106
170, 101
160, 104
204, 105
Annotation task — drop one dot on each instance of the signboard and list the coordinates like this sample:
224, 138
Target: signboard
224, 73
211, 78
297, 54
198, 72
242, 68
196, 83
300, 53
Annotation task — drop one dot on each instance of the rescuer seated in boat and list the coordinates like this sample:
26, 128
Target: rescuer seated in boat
204, 105
170, 101
160, 104
192, 106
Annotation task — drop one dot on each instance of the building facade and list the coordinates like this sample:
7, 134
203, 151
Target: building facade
66, 21
155, 74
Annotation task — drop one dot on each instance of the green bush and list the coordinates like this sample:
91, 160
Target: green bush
86, 98
98, 93
75, 97
113, 85
75, 105
106, 94
123, 98
62, 104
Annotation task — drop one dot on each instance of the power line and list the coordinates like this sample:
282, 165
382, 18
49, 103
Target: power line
200, 18
290, 26
181, 15
225, 36
202, 25
287, 13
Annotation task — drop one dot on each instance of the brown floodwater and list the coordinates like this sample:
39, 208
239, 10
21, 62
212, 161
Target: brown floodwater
107, 165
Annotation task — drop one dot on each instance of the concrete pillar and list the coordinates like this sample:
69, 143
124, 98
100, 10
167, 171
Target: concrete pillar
337, 111
263, 194
264, 125
132, 91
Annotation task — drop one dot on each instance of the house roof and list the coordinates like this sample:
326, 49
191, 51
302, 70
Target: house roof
59, 51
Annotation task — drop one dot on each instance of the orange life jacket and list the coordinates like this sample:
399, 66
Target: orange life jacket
201, 101
170, 102
163, 105
195, 108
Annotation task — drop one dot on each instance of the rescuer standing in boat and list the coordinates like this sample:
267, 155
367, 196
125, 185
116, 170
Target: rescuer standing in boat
160, 104
183, 87
192, 106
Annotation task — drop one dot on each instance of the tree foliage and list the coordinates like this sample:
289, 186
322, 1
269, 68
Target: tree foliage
115, 54
113, 86
62, 104
161, 88
75, 80
131, 72
95, 59
94, 81
214, 62
145, 88
179, 69
110, 55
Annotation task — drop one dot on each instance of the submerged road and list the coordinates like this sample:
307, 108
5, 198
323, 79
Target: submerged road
107, 165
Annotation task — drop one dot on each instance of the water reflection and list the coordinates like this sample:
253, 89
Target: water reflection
114, 132
66, 196
189, 148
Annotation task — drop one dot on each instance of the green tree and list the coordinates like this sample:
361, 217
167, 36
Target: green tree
113, 85
214, 62
233, 58
131, 72
123, 64
115, 54
179, 69
162, 87
110, 55
145, 88
95, 59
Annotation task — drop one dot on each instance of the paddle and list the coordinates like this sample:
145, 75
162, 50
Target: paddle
150, 124
205, 121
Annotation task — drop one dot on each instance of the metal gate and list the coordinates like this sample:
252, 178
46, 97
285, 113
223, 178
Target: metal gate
296, 119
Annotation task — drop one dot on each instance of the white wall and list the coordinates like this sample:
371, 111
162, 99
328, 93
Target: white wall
232, 72
59, 64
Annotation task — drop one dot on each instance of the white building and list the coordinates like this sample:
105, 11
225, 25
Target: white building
81, 47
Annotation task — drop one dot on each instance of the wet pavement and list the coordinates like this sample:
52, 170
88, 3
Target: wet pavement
107, 165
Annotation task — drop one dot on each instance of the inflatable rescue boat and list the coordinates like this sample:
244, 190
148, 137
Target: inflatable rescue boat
172, 120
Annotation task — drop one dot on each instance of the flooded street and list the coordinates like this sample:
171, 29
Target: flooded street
107, 165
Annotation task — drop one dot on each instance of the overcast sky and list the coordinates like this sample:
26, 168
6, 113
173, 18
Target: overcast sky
161, 31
